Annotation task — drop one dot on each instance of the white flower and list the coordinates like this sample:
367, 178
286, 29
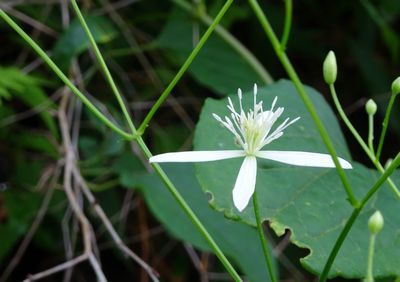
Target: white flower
252, 131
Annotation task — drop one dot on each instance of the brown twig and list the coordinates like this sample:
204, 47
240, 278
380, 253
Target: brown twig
28, 20
125, 209
75, 206
58, 268
34, 226
103, 217
148, 68
196, 262
143, 227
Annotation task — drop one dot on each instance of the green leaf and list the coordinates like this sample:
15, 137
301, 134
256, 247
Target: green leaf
169, 138
26, 88
217, 66
124, 166
238, 241
35, 141
20, 208
74, 41
309, 201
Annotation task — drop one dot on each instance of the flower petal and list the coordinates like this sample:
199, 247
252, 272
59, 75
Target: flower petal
196, 156
302, 158
245, 183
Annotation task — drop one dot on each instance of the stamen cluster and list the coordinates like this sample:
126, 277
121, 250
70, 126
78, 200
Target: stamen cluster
252, 129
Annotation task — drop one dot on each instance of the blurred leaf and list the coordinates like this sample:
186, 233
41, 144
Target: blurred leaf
27, 173
309, 201
35, 141
374, 72
89, 145
125, 166
217, 66
113, 144
390, 38
20, 207
169, 138
74, 40
26, 88
238, 241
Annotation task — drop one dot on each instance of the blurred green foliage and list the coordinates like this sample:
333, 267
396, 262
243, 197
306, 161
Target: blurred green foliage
144, 43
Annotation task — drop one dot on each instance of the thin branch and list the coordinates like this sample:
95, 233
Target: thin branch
28, 20
58, 268
103, 217
75, 206
32, 230
196, 262
145, 63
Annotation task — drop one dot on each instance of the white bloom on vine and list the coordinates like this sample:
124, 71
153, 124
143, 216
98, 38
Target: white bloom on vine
252, 131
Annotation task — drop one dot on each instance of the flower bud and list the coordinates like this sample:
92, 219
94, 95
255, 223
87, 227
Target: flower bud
396, 86
330, 68
371, 107
375, 223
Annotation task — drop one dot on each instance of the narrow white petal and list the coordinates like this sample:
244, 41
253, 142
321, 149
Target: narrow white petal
302, 158
196, 156
245, 183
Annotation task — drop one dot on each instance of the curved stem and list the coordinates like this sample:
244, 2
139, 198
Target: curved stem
261, 234
231, 40
184, 67
360, 141
103, 66
63, 77
186, 208
171, 187
356, 211
338, 244
385, 126
288, 23
302, 92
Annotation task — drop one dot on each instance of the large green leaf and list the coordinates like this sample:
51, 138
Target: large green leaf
309, 201
15, 83
238, 241
74, 40
217, 66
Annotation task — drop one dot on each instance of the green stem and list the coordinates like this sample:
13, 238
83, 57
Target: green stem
184, 67
203, 231
360, 141
189, 212
371, 248
288, 23
106, 185
371, 134
262, 238
104, 67
356, 211
231, 40
63, 77
302, 92
385, 126
122, 52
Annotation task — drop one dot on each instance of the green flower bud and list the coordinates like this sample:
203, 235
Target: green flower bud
396, 86
371, 107
330, 68
375, 223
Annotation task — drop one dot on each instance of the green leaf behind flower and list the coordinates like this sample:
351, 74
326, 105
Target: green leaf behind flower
311, 202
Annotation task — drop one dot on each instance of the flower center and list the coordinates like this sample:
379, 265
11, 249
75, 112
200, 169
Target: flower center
252, 129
